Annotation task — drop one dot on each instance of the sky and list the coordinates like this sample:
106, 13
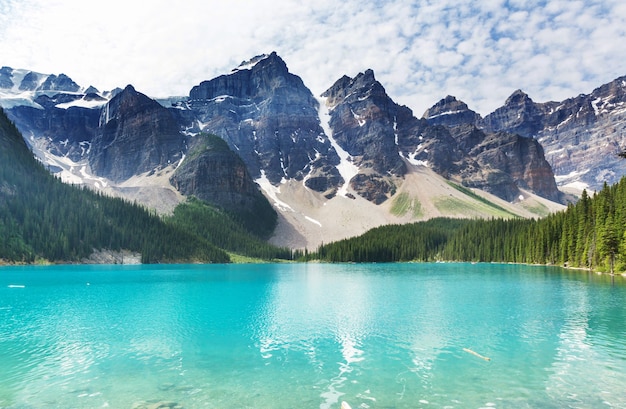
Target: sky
420, 51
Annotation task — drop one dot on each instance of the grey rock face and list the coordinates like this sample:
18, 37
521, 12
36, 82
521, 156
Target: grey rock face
364, 122
271, 120
521, 160
64, 132
30, 82
519, 115
450, 112
382, 136
268, 117
581, 136
6, 75
215, 174
59, 83
135, 135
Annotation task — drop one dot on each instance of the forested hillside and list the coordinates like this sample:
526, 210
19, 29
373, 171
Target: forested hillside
44, 219
589, 234
226, 231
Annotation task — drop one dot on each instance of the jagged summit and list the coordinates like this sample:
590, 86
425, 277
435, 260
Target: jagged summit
135, 135
450, 111
362, 119
519, 115
248, 64
270, 118
518, 97
253, 79
19, 80
582, 136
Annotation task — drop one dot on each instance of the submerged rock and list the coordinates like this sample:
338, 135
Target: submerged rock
156, 405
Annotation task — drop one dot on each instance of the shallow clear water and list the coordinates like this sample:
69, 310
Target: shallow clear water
311, 336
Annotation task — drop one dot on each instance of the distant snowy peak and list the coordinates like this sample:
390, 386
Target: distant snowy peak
19, 80
20, 87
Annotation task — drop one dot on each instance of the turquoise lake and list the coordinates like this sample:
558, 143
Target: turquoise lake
311, 336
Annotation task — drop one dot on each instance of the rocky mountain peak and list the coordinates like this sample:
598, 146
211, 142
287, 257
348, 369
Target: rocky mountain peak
128, 102
363, 119
248, 64
450, 111
609, 97
364, 85
59, 82
212, 172
6, 74
519, 115
270, 118
136, 135
255, 78
518, 97
30, 82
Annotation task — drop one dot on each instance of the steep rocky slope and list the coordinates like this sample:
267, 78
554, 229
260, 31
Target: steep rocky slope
581, 136
135, 135
382, 137
214, 173
269, 117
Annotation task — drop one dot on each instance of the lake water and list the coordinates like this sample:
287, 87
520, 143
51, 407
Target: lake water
311, 336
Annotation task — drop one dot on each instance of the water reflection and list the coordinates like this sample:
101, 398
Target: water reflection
581, 375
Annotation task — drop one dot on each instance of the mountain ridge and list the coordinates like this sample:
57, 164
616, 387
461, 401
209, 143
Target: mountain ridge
286, 136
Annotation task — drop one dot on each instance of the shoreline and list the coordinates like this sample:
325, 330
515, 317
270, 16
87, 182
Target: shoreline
131, 258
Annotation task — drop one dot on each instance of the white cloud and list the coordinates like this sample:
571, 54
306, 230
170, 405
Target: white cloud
420, 51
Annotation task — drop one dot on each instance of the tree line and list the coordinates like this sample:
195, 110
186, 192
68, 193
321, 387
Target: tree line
589, 234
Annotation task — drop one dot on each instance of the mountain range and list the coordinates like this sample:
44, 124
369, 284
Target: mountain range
332, 165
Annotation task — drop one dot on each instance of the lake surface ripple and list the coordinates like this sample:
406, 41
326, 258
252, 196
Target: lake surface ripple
311, 336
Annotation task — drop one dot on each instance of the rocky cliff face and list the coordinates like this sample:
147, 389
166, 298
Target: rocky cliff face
111, 137
270, 119
212, 172
384, 137
62, 132
363, 122
581, 136
450, 112
497, 162
135, 135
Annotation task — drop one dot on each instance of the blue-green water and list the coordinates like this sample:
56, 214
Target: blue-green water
311, 336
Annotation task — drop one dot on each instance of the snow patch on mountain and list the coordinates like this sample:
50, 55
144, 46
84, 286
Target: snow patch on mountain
347, 169
444, 114
83, 103
272, 192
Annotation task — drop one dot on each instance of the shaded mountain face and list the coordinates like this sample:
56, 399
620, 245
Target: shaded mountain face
497, 162
135, 135
363, 123
581, 136
383, 137
212, 172
122, 134
450, 112
268, 117
62, 132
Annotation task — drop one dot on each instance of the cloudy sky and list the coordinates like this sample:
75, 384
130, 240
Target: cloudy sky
420, 50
